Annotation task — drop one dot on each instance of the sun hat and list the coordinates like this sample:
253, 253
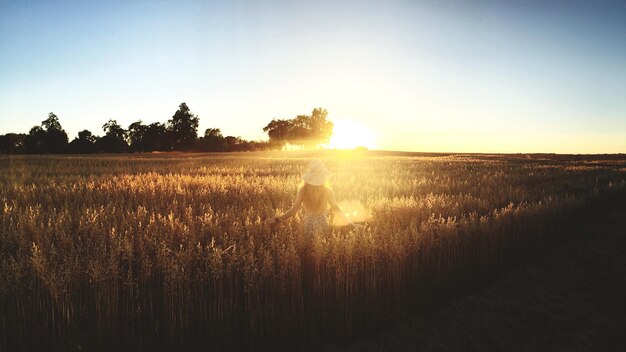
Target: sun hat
317, 173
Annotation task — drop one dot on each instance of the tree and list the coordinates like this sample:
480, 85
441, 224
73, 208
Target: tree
321, 129
213, 133
147, 138
304, 130
183, 127
35, 140
47, 138
179, 133
55, 138
112, 128
114, 140
84, 143
278, 131
12, 143
299, 134
235, 144
156, 137
87, 136
51, 123
136, 136
213, 141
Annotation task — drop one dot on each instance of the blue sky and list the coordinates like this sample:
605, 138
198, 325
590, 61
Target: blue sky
482, 76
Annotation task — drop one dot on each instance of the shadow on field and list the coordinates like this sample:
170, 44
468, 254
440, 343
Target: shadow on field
571, 299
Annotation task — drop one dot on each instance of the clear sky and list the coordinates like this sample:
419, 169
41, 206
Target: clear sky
466, 76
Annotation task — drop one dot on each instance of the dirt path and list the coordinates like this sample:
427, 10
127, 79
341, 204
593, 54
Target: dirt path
572, 299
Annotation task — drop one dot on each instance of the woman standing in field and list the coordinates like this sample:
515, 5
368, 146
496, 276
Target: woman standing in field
315, 197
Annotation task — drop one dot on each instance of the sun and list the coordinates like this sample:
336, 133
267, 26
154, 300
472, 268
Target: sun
349, 134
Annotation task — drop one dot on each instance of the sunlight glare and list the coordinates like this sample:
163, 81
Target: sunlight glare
349, 134
354, 210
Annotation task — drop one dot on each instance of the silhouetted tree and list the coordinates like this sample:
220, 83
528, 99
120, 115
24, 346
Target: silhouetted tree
51, 123
12, 143
278, 131
304, 130
258, 146
213, 141
235, 144
35, 140
112, 128
183, 128
136, 136
148, 138
179, 133
55, 139
157, 138
213, 133
320, 128
84, 143
114, 140
47, 138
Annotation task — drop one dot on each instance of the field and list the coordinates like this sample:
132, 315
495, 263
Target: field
569, 299
163, 251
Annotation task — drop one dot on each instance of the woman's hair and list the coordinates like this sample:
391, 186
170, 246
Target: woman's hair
314, 198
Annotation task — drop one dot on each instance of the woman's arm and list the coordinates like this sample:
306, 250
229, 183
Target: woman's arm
335, 207
291, 212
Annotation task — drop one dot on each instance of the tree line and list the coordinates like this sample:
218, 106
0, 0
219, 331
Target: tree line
179, 133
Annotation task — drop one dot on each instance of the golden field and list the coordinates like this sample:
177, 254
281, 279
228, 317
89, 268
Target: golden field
161, 251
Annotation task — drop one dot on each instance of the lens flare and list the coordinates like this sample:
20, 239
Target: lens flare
349, 134
353, 210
